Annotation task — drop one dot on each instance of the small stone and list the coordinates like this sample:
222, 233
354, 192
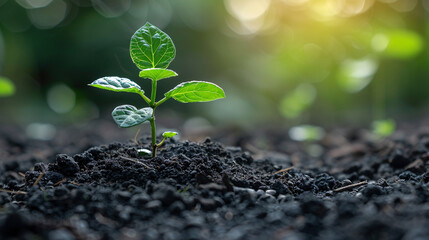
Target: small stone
207, 203
398, 160
53, 177
271, 192
372, 190
177, 207
418, 166
166, 194
346, 182
280, 188
140, 199
268, 198
60, 234
83, 159
66, 165
260, 192
122, 196
214, 187
40, 167
153, 205
407, 175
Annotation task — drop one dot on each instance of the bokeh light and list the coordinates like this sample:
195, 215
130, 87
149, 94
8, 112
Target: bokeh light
61, 98
7, 88
40, 131
29, 4
48, 16
355, 75
289, 61
295, 102
306, 133
111, 8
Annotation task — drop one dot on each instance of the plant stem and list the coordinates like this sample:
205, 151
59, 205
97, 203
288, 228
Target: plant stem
153, 95
144, 97
160, 101
160, 144
152, 126
152, 120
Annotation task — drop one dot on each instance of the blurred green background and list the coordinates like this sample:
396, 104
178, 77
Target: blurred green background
320, 62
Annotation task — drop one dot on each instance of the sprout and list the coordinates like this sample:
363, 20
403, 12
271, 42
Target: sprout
152, 51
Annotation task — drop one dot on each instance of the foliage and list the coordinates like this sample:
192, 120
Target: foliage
152, 51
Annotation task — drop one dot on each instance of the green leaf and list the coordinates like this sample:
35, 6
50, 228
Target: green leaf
6, 87
127, 116
169, 134
195, 91
117, 84
151, 48
144, 152
157, 73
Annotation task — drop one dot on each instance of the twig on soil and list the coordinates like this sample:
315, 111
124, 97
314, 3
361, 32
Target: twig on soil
13, 192
135, 137
283, 170
58, 183
350, 186
135, 161
21, 174
75, 183
39, 178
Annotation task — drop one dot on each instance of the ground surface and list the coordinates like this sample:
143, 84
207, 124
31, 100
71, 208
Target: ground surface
346, 186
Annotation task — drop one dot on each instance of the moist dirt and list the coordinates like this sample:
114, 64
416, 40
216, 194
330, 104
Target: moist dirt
259, 186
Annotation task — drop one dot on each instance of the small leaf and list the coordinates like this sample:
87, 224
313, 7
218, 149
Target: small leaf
117, 84
127, 116
151, 48
157, 73
144, 152
6, 87
169, 134
195, 91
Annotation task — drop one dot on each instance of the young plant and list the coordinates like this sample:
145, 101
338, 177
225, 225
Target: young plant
152, 51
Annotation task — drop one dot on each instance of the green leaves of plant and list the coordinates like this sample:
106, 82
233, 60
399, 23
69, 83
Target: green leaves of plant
157, 73
196, 91
169, 134
127, 115
6, 87
117, 84
151, 48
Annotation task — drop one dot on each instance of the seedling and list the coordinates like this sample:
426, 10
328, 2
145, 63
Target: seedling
152, 51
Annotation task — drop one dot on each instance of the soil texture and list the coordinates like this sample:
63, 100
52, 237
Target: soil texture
345, 186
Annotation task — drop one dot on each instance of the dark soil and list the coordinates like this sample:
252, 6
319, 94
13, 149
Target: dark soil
345, 186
